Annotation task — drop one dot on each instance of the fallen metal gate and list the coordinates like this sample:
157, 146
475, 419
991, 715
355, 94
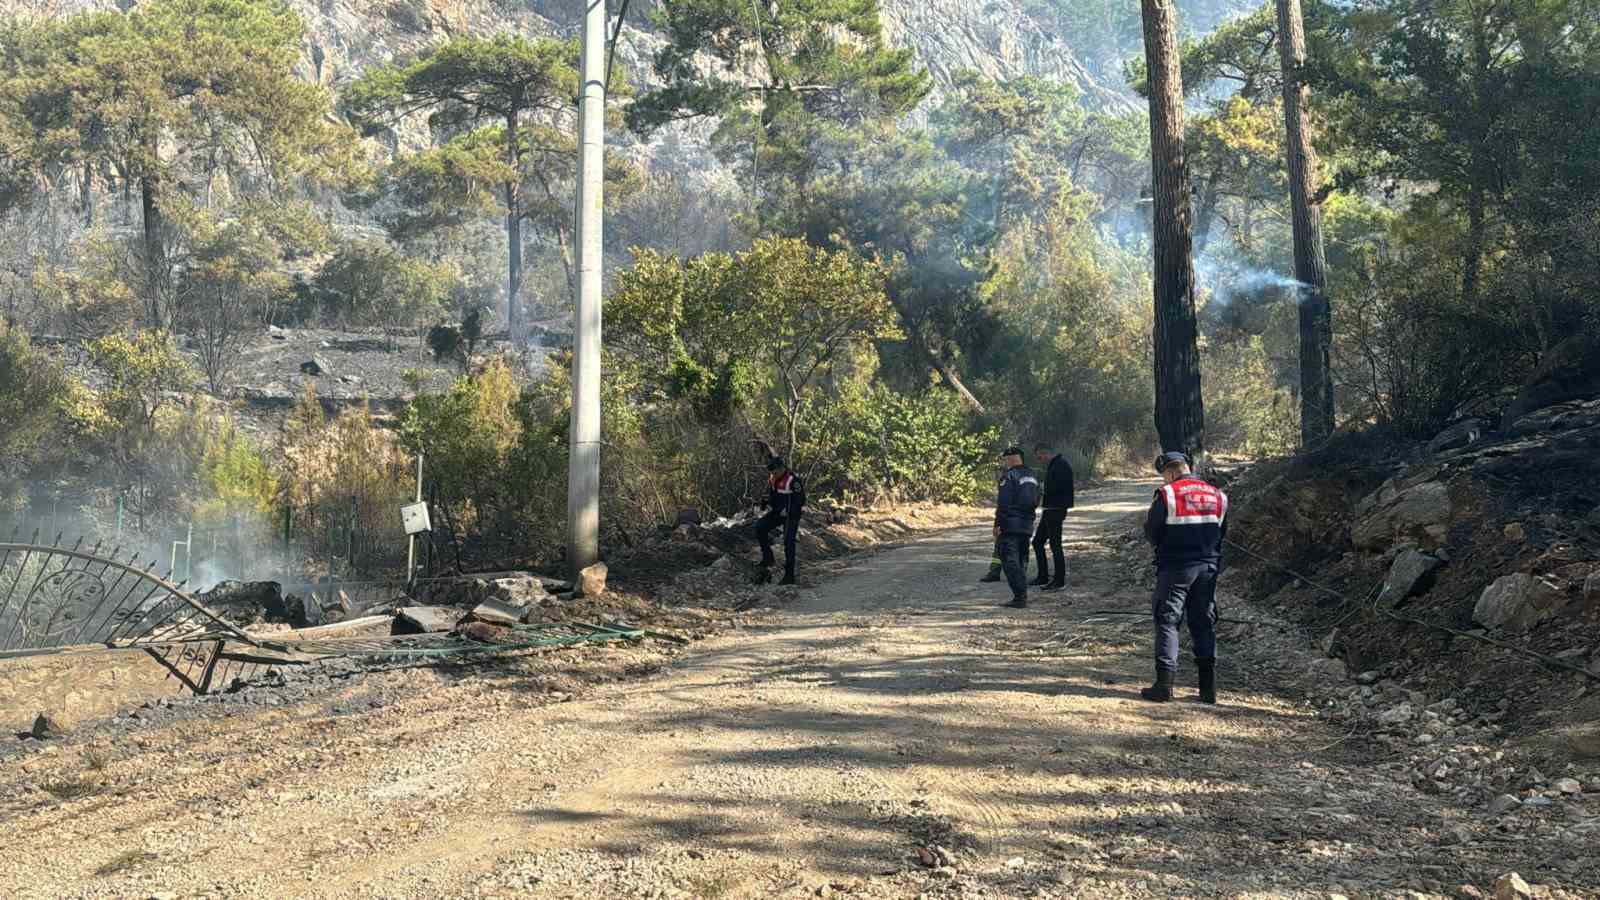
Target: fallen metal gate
56, 599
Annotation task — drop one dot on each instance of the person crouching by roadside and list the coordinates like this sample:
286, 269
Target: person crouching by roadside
1187, 523
786, 498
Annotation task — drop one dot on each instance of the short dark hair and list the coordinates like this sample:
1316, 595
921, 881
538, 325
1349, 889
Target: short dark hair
1041, 447
1013, 451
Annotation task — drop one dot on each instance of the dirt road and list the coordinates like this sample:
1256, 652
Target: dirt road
894, 706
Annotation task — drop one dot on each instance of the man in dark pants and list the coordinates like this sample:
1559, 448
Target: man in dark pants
786, 497
1013, 523
1187, 523
1056, 501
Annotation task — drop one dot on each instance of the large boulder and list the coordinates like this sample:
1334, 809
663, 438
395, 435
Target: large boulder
1420, 513
1570, 371
1519, 602
1411, 573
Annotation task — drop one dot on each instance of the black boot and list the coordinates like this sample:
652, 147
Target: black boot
1041, 581
1020, 601
788, 576
1208, 680
764, 576
1060, 584
991, 578
1161, 691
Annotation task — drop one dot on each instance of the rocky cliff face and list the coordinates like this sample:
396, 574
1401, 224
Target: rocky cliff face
998, 38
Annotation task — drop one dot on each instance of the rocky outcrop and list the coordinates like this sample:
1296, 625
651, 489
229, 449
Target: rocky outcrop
1420, 513
1570, 371
1519, 601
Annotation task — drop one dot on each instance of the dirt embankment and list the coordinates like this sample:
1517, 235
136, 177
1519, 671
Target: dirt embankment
1467, 568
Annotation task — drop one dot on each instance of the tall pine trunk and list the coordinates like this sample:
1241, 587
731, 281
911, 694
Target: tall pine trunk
155, 255
1180, 412
1310, 263
514, 230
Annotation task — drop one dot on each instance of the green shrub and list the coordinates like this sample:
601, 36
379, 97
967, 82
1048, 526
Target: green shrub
878, 443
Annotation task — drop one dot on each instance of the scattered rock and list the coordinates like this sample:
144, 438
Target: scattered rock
45, 728
1568, 786
1327, 668
1510, 886
484, 633
316, 367
1518, 602
592, 581
424, 619
1515, 532
1398, 715
1459, 435
499, 612
945, 873
1591, 592
1411, 574
1503, 804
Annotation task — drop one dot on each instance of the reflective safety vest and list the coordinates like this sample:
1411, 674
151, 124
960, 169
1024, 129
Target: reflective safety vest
1187, 522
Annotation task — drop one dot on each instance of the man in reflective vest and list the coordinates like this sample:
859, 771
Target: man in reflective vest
786, 497
1186, 524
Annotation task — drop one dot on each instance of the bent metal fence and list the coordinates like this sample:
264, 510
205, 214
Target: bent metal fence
57, 599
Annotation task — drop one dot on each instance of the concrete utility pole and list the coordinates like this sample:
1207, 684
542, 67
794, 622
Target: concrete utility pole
583, 467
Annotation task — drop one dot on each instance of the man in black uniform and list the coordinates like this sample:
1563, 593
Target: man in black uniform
1013, 523
786, 497
1186, 524
1057, 500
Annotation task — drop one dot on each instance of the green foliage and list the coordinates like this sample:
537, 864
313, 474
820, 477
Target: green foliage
1069, 355
235, 481
369, 283
727, 329
172, 99
820, 67
1462, 112
34, 396
136, 421
494, 457
342, 479
875, 442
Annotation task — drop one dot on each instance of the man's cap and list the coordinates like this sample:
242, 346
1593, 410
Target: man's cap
1170, 457
1012, 451
775, 464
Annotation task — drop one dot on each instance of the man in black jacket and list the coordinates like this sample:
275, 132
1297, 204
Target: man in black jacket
786, 497
1013, 522
1187, 523
1057, 500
